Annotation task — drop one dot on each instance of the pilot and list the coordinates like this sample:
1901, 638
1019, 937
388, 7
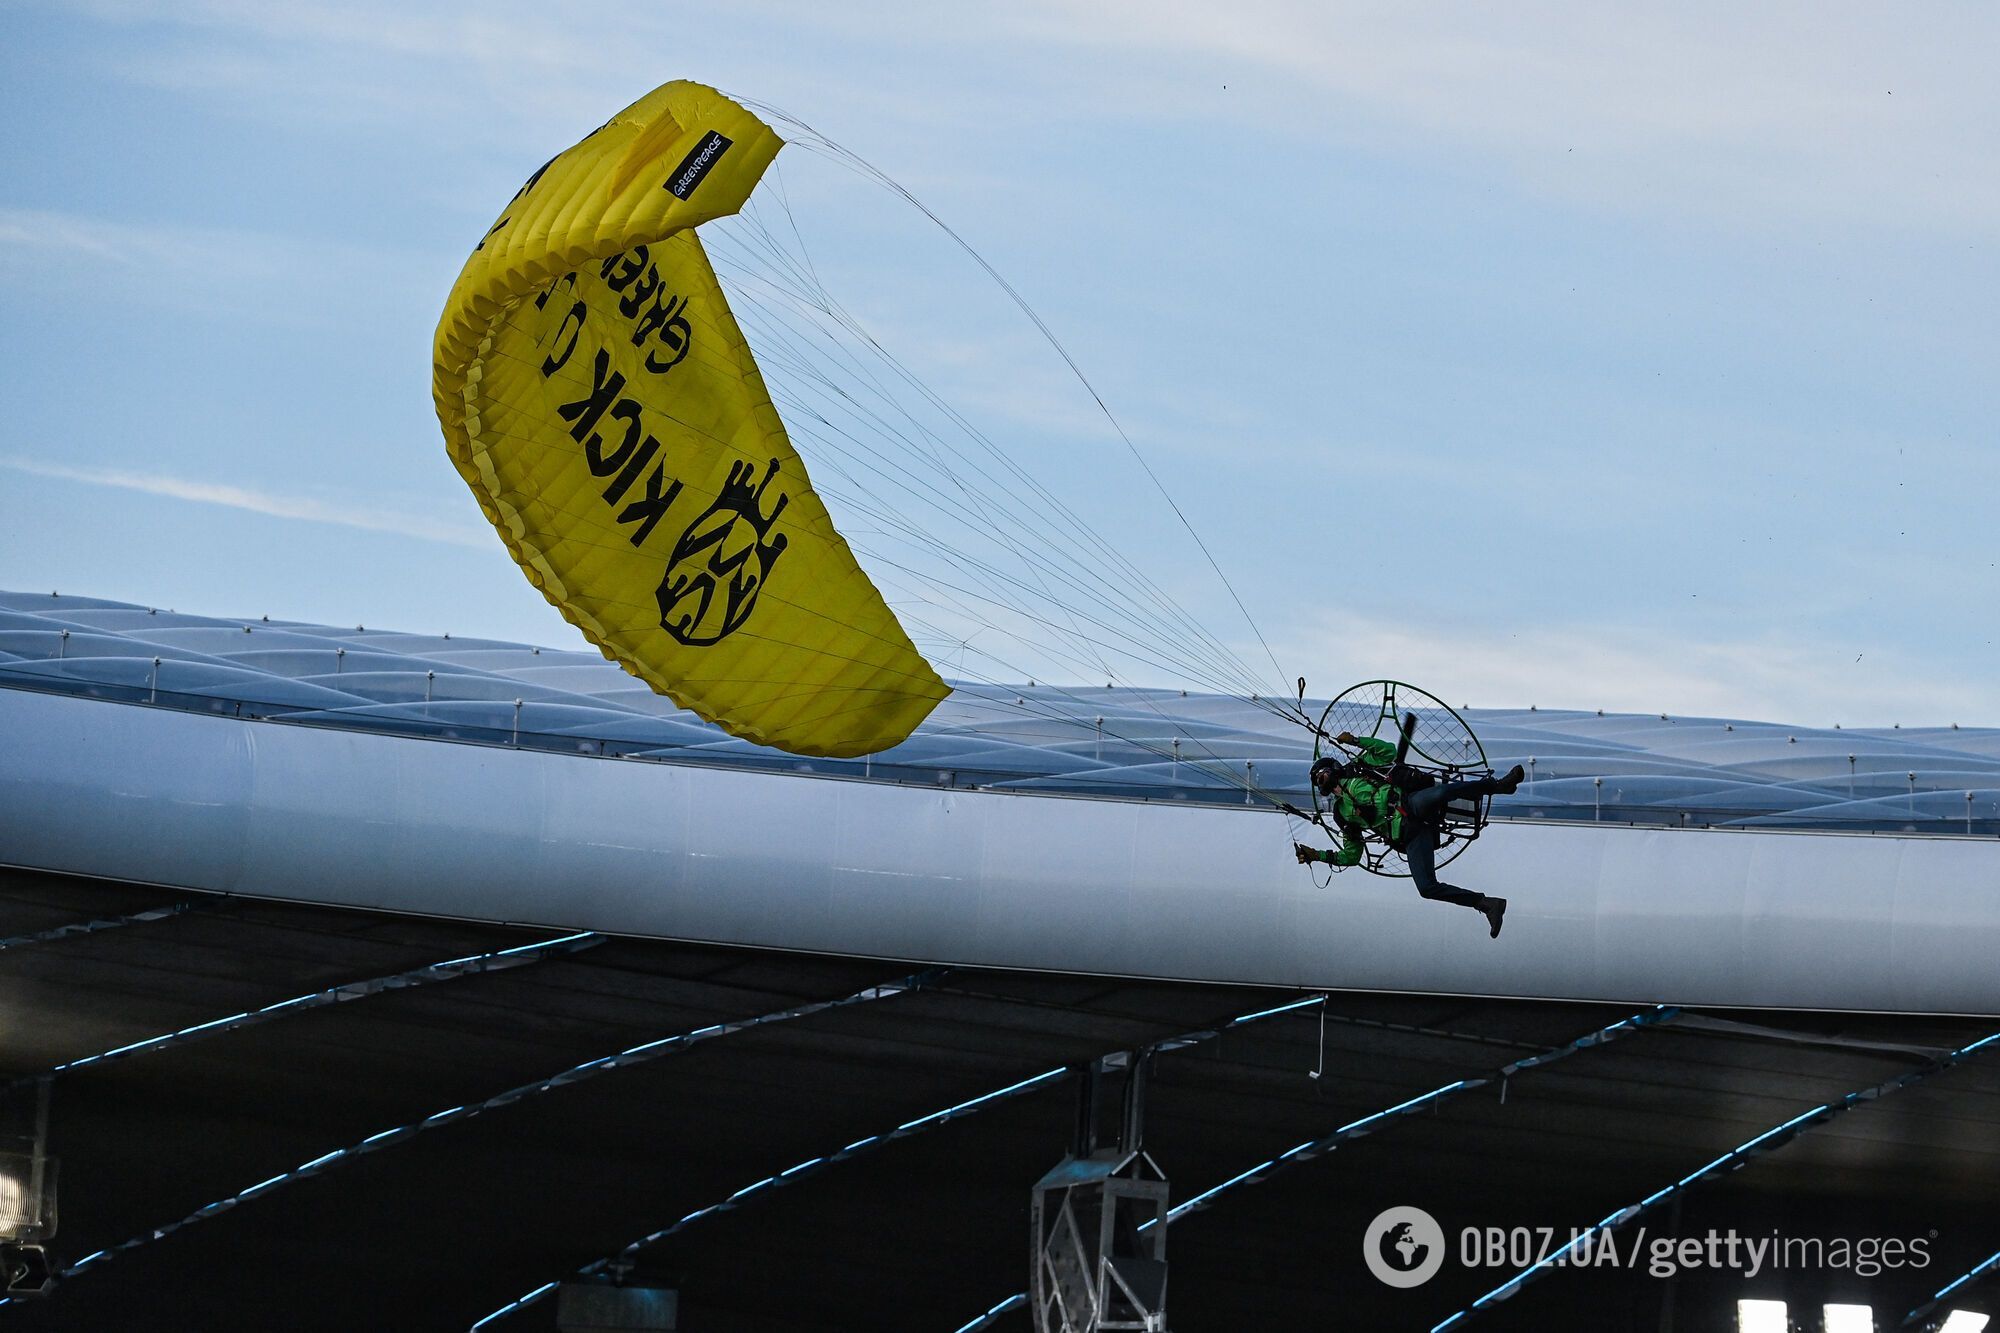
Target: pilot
1404, 807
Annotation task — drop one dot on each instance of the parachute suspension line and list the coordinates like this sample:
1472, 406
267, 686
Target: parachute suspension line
1224, 769
804, 271
981, 572
810, 351
811, 273
1080, 707
1094, 539
822, 301
987, 575
1084, 706
1216, 766
839, 153
936, 593
978, 572
824, 637
787, 335
811, 140
836, 442
973, 495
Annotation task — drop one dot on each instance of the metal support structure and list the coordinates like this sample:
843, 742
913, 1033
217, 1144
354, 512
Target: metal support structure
1083, 1142
27, 1206
27, 1176
813, 1166
92, 927
1100, 1257
41, 1179
1132, 1127
1366, 1125
617, 1305
1770, 1140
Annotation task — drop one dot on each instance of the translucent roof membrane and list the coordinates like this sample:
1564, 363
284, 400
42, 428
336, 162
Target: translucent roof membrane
1135, 744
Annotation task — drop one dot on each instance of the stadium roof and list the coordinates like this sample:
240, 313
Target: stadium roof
1582, 765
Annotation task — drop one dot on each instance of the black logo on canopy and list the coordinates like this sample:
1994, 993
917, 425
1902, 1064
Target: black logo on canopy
721, 562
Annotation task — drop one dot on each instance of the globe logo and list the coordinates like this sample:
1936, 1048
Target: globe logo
1403, 1247
1409, 1251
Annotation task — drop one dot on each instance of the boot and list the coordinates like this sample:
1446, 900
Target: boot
1511, 781
1495, 910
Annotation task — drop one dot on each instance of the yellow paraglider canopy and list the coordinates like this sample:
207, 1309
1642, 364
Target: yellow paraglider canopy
600, 400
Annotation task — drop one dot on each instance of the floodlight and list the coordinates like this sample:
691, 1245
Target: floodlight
1761, 1317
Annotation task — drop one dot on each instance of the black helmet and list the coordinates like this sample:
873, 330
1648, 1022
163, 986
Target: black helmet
1326, 772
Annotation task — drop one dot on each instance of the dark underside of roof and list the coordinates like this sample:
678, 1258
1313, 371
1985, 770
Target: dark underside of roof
925, 1233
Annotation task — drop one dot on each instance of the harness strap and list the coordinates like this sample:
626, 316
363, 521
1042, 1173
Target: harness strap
1386, 816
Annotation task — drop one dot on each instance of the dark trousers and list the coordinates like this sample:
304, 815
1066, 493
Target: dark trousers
1425, 809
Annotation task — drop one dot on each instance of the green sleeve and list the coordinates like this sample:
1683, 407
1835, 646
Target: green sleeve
1349, 852
1377, 752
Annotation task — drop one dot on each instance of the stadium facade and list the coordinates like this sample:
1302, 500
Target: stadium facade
368, 980
1707, 861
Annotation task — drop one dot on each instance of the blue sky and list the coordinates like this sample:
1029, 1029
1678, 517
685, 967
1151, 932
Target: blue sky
1627, 358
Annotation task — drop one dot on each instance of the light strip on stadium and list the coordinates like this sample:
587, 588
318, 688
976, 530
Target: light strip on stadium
1990, 1264
450, 969
786, 1177
1312, 1148
1842, 1318
1770, 1140
1014, 1302
634, 1055
1964, 1321
904, 1130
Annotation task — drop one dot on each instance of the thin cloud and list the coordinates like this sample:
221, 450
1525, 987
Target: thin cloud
261, 502
1627, 670
214, 271
1746, 117
1749, 119
38, 235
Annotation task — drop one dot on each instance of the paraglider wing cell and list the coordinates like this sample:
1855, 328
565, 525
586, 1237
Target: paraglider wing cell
600, 400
